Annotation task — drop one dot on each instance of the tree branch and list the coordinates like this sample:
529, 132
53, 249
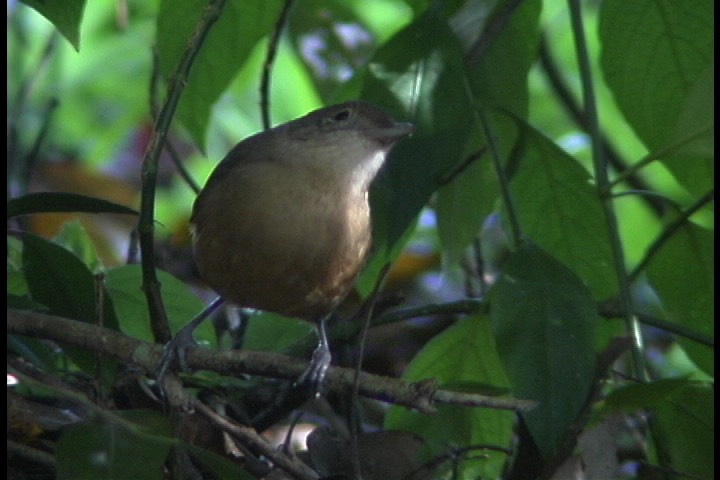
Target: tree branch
421, 396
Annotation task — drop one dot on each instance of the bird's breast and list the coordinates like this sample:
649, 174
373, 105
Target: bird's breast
280, 240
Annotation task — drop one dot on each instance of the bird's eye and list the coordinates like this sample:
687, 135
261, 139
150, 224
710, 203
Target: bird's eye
340, 117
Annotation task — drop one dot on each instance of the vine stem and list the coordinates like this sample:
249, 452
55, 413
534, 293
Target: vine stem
178, 80
267, 66
482, 118
602, 183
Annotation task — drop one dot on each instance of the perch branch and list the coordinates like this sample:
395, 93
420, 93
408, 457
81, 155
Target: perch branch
421, 396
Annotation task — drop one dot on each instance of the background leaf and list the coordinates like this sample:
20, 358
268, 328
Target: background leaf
683, 275
683, 428
62, 202
656, 57
653, 51
100, 449
228, 44
463, 354
181, 304
65, 15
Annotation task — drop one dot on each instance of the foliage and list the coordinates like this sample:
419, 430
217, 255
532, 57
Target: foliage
571, 223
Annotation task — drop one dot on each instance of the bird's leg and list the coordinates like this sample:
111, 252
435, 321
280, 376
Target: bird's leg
321, 358
176, 348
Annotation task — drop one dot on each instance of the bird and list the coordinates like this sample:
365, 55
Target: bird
283, 222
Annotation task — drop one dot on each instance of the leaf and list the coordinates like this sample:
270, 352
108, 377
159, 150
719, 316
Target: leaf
44, 202
60, 281
682, 273
463, 204
273, 332
423, 61
499, 78
691, 147
332, 42
65, 15
462, 354
544, 320
418, 76
421, 74
653, 51
642, 396
558, 209
683, 428
100, 449
75, 239
124, 285
227, 46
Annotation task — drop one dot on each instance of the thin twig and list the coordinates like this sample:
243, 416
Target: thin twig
461, 167
177, 161
16, 107
663, 152
33, 156
668, 232
267, 66
366, 313
515, 231
251, 439
169, 148
609, 310
347, 331
492, 30
177, 83
33, 454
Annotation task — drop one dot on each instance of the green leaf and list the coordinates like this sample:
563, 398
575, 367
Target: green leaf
421, 75
273, 332
558, 209
75, 239
16, 283
462, 354
642, 396
691, 147
44, 202
101, 449
683, 428
544, 321
499, 78
423, 61
66, 15
682, 273
59, 280
227, 46
124, 285
418, 76
653, 51
463, 204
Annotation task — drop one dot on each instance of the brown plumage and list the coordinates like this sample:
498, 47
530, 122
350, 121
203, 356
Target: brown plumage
283, 223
